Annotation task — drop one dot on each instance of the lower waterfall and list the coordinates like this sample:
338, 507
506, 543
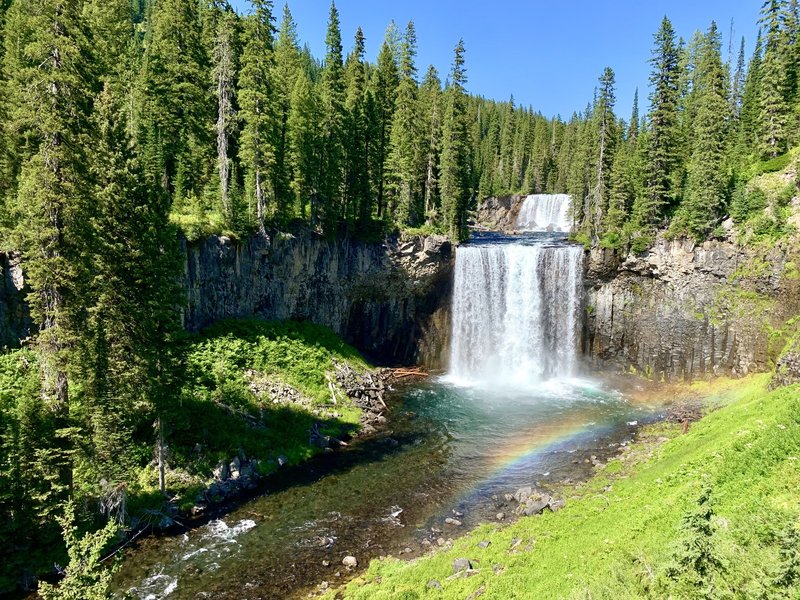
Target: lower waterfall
515, 313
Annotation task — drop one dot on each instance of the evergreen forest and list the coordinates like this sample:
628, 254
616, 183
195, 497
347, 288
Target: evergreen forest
129, 127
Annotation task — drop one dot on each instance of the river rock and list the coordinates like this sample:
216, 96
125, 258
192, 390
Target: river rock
461, 564
235, 468
282, 461
221, 471
452, 521
522, 494
500, 516
350, 562
533, 505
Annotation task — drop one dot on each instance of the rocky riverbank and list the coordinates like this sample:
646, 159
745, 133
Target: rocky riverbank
240, 477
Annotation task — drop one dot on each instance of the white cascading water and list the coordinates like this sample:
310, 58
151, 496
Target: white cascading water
545, 212
515, 314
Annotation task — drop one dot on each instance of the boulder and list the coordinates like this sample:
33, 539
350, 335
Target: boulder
461, 564
350, 562
522, 494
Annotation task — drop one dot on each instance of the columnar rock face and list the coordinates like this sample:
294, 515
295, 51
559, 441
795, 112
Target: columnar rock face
15, 322
390, 300
683, 311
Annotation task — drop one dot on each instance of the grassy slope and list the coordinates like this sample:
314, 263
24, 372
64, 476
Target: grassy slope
618, 543
222, 413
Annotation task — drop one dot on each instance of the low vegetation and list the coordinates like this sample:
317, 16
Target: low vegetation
712, 513
243, 387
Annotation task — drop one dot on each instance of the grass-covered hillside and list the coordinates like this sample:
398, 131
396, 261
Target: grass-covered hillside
712, 513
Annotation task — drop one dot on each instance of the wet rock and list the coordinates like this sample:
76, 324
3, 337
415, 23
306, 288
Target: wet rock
350, 562
533, 505
461, 564
326, 563
522, 494
235, 468
434, 584
454, 522
221, 471
282, 461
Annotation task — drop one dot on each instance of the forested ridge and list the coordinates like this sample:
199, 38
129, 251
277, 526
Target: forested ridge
125, 124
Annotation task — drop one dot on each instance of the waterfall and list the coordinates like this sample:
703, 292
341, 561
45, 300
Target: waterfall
515, 313
545, 212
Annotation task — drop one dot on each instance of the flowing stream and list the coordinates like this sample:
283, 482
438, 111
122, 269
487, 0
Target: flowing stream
512, 411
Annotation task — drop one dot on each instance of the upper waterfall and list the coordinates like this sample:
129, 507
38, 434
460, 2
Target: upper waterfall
515, 313
545, 212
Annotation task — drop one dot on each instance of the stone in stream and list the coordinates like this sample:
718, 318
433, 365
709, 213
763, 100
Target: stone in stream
282, 461
461, 564
451, 521
350, 562
501, 516
326, 563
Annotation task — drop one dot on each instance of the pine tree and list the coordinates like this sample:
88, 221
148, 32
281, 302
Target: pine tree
748, 126
257, 152
431, 107
285, 71
664, 136
403, 160
385, 82
49, 94
737, 87
332, 99
605, 125
356, 196
175, 106
707, 177
133, 292
224, 75
454, 158
774, 109
303, 146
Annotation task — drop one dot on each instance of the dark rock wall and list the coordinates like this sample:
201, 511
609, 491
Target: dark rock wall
15, 322
683, 311
390, 300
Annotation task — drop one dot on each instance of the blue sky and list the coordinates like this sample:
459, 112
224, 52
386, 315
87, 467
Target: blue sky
547, 53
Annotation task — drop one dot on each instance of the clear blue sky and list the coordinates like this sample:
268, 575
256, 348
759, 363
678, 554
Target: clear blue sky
547, 53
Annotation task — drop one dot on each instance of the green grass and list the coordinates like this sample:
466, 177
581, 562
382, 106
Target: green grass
225, 404
627, 541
